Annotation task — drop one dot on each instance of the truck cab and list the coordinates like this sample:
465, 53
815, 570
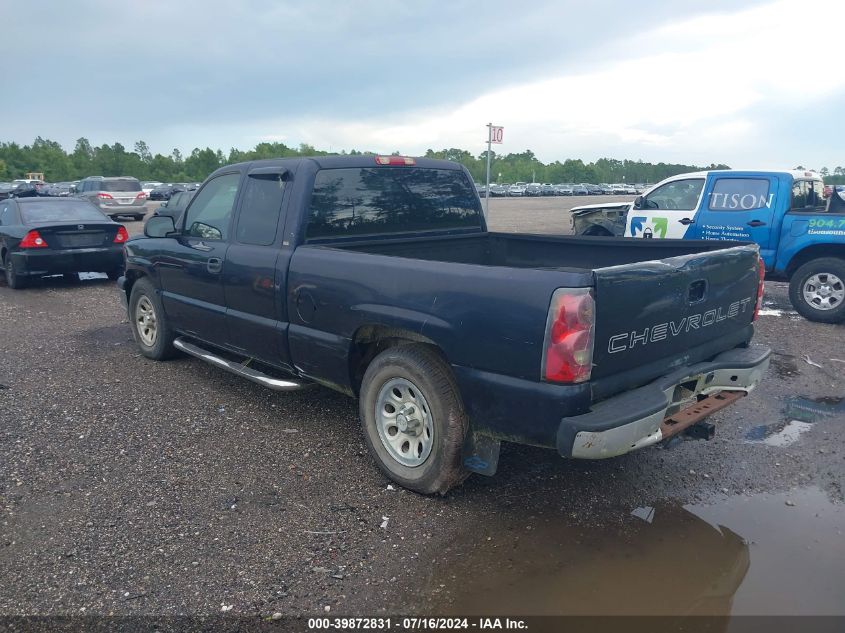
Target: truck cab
800, 234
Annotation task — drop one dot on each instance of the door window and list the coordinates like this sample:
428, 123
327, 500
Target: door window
259, 216
210, 213
681, 195
740, 194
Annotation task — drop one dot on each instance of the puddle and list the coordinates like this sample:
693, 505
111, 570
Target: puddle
800, 413
814, 409
764, 554
787, 434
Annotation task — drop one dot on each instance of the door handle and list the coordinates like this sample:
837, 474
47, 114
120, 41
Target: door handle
686, 221
214, 265
756, 223
200, 246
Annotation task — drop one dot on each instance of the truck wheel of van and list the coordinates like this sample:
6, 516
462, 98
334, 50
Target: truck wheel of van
413, 418
817, 290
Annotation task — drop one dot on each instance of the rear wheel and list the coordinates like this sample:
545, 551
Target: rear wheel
13, 279
817, 290
114, 275
413, 419
150, 328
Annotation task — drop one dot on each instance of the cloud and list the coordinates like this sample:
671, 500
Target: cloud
698, 101
680, 80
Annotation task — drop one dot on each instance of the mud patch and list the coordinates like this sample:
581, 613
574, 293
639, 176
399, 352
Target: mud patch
765, 554
108, 336
785, 365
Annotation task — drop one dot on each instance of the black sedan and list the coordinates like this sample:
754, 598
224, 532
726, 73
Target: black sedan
165, 191
54, 236
19, 190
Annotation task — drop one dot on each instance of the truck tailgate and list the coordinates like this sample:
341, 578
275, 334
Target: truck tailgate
655, 316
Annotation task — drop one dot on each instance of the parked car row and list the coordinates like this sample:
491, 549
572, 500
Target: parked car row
163, 190
521, 189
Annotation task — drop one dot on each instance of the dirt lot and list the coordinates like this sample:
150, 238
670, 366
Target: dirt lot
128, 486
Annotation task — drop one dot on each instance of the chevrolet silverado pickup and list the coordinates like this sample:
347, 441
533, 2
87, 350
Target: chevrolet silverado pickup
376, 276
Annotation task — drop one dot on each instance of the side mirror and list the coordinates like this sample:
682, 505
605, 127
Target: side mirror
638, 202
159, 226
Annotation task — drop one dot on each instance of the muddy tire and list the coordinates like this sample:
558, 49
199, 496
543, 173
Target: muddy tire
413, 419
817, 290
150, 327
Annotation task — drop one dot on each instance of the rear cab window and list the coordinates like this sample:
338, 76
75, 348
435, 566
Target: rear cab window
371, 201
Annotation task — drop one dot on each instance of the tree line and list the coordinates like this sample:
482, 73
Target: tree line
51, 159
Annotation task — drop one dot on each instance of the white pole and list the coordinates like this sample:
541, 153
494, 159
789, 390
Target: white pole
487, 190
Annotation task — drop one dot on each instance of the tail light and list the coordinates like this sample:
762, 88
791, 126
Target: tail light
396, 160
32, 240
105, 196
141, 196
121, 236
761, 265
568, 347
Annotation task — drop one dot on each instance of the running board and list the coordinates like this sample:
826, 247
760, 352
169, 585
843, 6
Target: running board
239, 369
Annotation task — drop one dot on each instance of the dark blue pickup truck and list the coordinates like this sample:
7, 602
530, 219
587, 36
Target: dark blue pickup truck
376, 276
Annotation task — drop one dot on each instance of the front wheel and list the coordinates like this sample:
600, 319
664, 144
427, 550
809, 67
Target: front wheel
149, 324
413, 419
817, 290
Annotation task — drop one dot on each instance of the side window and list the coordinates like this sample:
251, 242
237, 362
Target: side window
679, 195
5, 215
740, 194
818, 201
260, 209
801, 195
211, 212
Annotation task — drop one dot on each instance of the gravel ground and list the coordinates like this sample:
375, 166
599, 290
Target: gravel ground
134, 487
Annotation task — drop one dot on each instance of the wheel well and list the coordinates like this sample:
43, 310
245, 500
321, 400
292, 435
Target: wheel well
131, 277
597, 230
814, 252
370, 340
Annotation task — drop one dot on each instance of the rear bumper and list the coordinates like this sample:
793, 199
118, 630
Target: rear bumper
37, 263
123, 209
632, 419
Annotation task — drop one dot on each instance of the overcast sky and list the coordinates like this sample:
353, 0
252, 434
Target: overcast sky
745, 83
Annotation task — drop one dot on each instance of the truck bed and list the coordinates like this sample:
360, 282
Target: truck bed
513, 250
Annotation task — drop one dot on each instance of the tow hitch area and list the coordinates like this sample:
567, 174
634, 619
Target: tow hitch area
689, 419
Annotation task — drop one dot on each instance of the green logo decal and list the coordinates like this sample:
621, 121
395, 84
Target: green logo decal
661, 225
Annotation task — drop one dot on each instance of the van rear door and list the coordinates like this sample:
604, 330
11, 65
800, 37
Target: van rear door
668, 210
740, 207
